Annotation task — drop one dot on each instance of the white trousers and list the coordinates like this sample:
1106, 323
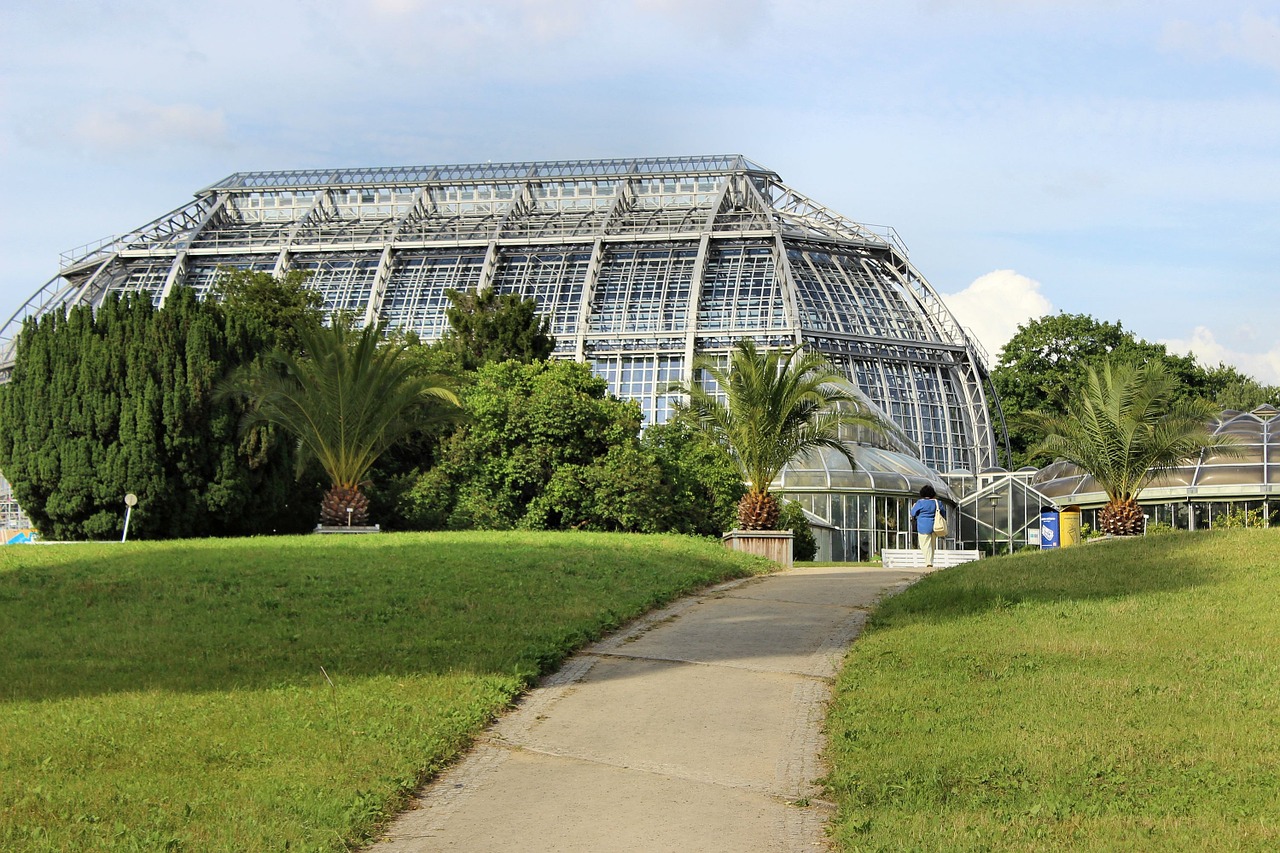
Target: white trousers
926, 541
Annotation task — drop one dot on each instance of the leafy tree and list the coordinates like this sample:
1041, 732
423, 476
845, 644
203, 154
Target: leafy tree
489, 326
347, 400
524, 422
804, 545
780, 405
1124, 426
275, 308
1048, 359
1231, 389
702, 482
483, 327
620, 491
120, 399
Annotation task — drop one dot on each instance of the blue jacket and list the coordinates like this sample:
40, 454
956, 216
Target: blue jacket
923, 511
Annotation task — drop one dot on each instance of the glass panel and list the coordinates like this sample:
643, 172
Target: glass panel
740, 291
554, 277
1226, 475
141, 276
643, 378
203, 271
643, 290
344, 282
415, 300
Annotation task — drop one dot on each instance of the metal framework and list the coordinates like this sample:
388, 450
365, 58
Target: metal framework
640, 264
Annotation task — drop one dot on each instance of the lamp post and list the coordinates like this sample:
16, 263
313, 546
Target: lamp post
130, 501
349, 511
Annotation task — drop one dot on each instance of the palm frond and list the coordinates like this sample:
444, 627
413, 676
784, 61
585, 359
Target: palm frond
1124, 428
347, 399
778, 405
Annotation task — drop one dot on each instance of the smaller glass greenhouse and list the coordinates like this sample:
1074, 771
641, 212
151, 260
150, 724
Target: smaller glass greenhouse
1243, 487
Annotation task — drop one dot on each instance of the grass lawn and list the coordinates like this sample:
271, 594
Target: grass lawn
1117, 696
285, 693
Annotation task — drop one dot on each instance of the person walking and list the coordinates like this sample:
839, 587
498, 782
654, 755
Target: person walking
930, 519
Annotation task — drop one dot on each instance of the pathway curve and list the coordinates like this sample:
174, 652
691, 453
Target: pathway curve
697, 728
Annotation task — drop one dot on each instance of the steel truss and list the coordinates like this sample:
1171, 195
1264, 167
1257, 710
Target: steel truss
643, 263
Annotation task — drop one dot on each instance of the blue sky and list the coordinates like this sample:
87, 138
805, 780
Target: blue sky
1118, 159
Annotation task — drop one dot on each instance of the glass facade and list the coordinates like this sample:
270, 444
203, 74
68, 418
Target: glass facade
639, 264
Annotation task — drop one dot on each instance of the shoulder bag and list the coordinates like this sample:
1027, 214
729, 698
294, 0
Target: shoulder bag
939, 521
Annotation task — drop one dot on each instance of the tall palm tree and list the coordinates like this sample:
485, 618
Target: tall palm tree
1125, 427
779, 405
346, 399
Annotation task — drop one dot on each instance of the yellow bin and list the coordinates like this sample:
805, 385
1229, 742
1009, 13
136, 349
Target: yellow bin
1069, 527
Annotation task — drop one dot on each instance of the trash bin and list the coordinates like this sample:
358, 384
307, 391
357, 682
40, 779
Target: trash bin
1049, 527
1069, 526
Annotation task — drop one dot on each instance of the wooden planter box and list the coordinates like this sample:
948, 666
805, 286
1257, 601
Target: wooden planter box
774, 544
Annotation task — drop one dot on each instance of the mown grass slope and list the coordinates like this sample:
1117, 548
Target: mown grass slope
1117, 696
285, 693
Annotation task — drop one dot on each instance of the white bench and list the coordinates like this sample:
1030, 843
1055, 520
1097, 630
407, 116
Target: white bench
911, 558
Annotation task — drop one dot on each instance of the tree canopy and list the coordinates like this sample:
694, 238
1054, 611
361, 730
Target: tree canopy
1048, 359
489, 326
120, 399
1124, 425
277, 308
544, 446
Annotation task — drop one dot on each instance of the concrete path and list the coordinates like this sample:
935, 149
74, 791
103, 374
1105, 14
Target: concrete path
697, 728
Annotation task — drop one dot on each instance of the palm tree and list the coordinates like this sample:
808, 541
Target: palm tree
779, 405
1125, 427
347, 399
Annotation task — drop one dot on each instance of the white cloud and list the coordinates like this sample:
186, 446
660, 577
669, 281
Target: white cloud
1253, 38
1204, 345
994, 305
142, 125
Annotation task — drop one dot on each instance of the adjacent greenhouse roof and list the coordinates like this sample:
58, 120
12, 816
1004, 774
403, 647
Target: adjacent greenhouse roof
1252, 472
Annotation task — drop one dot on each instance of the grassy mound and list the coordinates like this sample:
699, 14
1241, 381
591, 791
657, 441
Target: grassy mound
1118, 696
285, 693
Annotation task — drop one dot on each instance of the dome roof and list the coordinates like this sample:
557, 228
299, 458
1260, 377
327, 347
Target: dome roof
639, 265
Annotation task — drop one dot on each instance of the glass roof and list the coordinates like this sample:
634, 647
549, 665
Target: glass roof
1254, 469
640, 263
877, 470
492, 171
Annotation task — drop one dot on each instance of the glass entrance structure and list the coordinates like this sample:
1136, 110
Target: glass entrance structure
639, 264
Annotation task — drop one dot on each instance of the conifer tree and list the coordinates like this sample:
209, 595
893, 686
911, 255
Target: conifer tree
120, 399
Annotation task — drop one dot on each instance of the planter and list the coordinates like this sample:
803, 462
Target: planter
773, 544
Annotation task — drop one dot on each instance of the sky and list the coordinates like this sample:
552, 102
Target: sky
1117, 159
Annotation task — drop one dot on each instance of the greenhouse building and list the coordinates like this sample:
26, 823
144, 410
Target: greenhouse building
639, 264
1215, 489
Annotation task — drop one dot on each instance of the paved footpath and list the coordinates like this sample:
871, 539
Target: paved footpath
697, 728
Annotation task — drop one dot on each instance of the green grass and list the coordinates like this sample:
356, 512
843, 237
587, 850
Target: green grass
285, 693
1117, 696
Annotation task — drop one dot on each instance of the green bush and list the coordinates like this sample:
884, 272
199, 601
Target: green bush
804, 546
1239, 517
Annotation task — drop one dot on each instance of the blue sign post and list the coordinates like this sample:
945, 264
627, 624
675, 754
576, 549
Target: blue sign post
1050, 528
